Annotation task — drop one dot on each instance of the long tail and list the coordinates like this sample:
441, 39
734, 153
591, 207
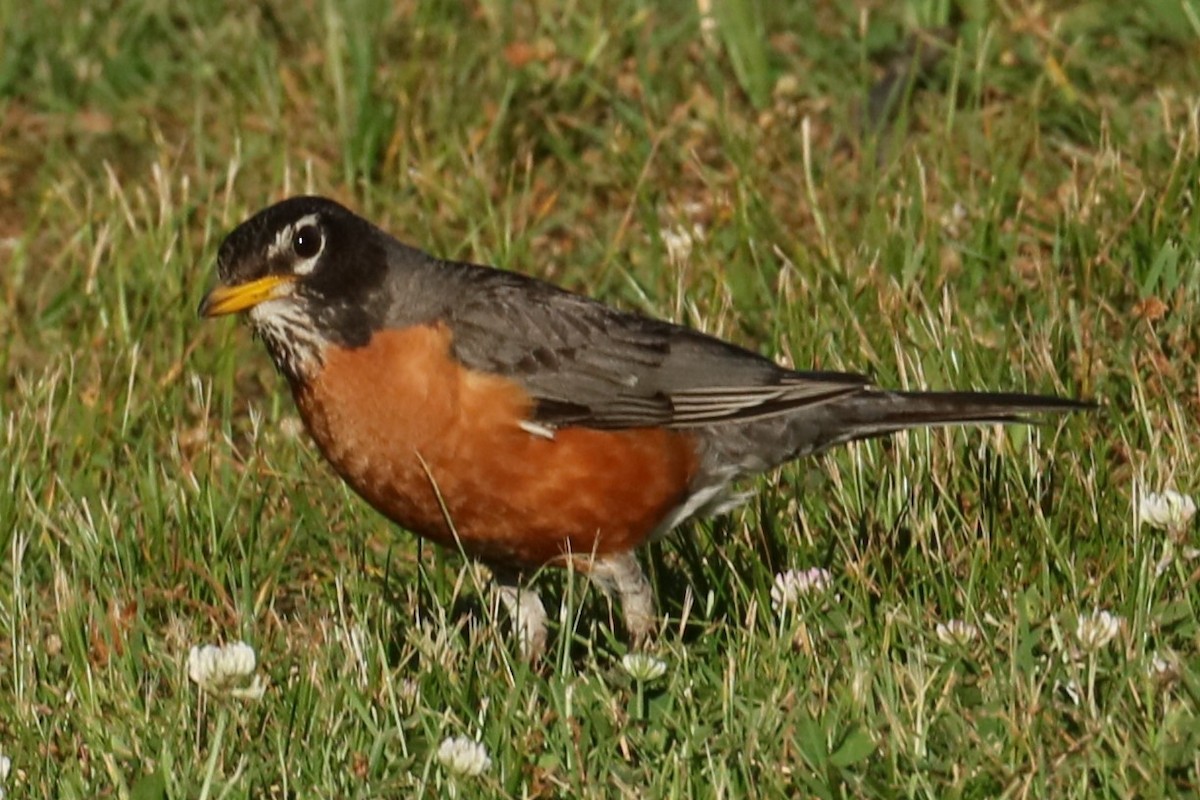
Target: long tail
756, 445
878, 413
872, 412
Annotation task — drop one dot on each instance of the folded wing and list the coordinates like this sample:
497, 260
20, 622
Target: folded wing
589, 365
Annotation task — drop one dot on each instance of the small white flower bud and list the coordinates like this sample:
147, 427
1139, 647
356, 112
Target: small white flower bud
464, 756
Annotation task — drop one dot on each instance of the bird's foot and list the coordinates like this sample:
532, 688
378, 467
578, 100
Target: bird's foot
620, 576
527, 612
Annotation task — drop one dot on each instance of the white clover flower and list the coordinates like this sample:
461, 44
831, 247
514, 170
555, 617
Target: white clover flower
957, 633
223, 670
643, 667
213, 664
462, 755
1097, 629
793, 584
1168, 510
680, 240
1164, 668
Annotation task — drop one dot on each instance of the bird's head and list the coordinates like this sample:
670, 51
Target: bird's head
307, 272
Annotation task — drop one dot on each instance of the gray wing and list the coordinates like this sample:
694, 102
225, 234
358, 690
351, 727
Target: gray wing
590, 365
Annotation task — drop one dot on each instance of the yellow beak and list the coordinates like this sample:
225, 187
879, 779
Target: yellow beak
224, 299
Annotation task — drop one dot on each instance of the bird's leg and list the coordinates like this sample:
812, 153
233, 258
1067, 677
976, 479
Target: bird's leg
527, 612
620, 575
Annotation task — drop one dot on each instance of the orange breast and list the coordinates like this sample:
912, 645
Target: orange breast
424, 439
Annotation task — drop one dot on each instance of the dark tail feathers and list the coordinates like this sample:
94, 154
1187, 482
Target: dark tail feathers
878, 413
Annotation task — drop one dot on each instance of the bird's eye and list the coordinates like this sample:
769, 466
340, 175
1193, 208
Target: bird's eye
306, 242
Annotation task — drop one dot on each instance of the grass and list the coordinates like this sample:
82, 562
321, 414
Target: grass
1020, 215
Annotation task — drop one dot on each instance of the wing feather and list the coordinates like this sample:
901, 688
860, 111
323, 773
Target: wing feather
589, 365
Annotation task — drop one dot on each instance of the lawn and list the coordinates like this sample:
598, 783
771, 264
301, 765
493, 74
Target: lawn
938, 194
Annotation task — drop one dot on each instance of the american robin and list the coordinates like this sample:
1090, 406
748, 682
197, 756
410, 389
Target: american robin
524, 424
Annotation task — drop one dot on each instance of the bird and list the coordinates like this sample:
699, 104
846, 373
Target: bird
525, 425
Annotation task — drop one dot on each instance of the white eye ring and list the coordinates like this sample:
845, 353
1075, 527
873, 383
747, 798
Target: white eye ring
303, 242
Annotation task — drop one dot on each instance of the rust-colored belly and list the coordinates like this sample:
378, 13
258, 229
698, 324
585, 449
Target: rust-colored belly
425, 440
